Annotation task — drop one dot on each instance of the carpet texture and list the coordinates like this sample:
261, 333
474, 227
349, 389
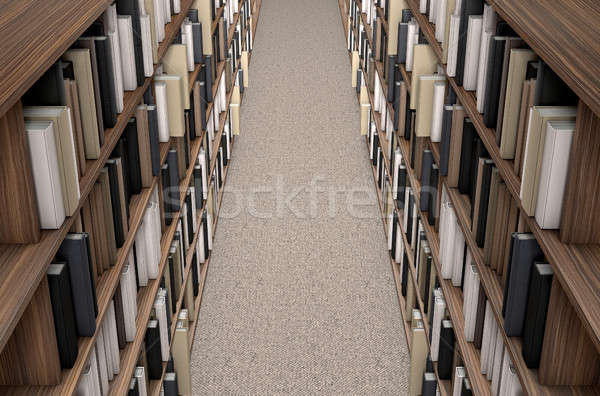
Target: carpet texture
300, 297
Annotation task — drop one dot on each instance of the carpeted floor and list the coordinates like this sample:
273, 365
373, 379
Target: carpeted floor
300, 296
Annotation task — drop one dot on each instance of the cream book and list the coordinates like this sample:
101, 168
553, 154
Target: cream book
532, 161
355, 66
553, 175
452, 45
412, 39
175, 105
424, 62
46, 173
146, 45
472, 52
517, 68
205, 18
187, 38
395, 8
418, 358
488, 29
244, 66
424, 103
181, 358
439, 90
60, 116
149, 4
234, 112
160, 93
175, 63
82, 69
127, 52
112, 32
450, 5
365, 109
159, 19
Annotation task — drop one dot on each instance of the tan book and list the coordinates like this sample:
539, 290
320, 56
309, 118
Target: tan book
499, 230
181, 149
450, 5
73, 104
395, 8
512, 219
109, 224
221, 38
425, 103
82, 68
235, 110
526, 103
205, 18
519, 57
377, 40
149, 5
88, 43
60, 116
534, 150
410, 298
181, 358
175, 105
402, 107
355, 66
491, 218
87, 222
143, 134
175, 63
365, 109
197, 112
363, 98
177, 274
422, 275
189, 297
458, 118
418, 358
97, 215
477, 200
244, 66
424, 62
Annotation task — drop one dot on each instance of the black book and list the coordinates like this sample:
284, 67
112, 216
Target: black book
74, 251
173, 193
550, 90
120, 318
402, 39
149, 96
391, 74
106, 78
404, 283
479, 318
191, 118
427, 163
153, 353
224, 147
241, 80
428, 263
198, 185
422, 39
49, 89
409, 122
174, 297
198, 50
493, 81
193, 16
540, 286
394, 221
524, 252
154, 142
446, 352
170, 384
190, 216
450, 97
484, 196
446, 138
166, 188
479, 151
469, 7
134, 172
409, 222
402, 175
466, 155
429, 384
358, 80
195, 276
113, 177
397, 105
133, 388
406, 15
208, 78
374, 148
466, 388
130, 7
432, 194
203, 105
63, 312
205, 232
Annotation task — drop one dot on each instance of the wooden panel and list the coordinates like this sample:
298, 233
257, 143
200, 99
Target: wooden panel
34, 35
566, 358
18, 204
30, 357
582, 193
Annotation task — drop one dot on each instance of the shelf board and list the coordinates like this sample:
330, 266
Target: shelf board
23, 266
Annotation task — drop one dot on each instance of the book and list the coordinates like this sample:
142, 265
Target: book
493, 81
425, 102
63, 312
437, 112
132, 9
181, 358
418, 358
446, 349
424, 63
126, 44
153, 350
471, 62
468, 8
538, 298
175, 64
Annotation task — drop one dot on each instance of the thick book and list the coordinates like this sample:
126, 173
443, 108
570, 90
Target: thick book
74, 252
427, 163
540, 286
117, 195
551, 90
468, 8
493, 81
130, 139
153, 350
469, 138
131, 8
524, 252
108, 96
446, 352
154, 141
63, 311
445, 139
48, 90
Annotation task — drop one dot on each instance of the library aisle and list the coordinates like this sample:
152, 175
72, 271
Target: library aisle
300, 296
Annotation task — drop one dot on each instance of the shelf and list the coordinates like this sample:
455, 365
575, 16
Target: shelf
22, 267
576, 266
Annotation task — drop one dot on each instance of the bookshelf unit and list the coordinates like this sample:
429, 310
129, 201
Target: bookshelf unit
24, 266
575, 265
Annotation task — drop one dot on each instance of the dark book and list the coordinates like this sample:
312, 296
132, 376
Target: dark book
394, 221
134, 171
446, 138
166, 188
428, 264
404, 282
402, 175
115, 199
120, 318
397, 105
189, 216
550, 90
391, 77
429, 385
203, 105
524, 252
466, 388
426, 164
149, 96
241, 80
205, 226
479, 318
63, 312
409, 121
198, 185
493, 81
540, 286
446, 352
108, 96
74, 252
154, 142
484, 197
407, 15
173, 192
197, 37
468, 7
195, 276
172, 291
409, 217
469, 138
433, 194
49, 89
450, 97
133, 388
208, 78
374, 148
402, 40
153, 352
479, 151
190, 117
170, 384
130, 7
193, 16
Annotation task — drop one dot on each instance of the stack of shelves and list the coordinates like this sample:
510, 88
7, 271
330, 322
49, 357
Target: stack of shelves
575, 265
52, 28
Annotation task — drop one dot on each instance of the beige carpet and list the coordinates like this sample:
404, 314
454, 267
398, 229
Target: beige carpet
300, 296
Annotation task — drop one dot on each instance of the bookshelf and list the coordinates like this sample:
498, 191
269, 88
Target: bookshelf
575, 265
23, 266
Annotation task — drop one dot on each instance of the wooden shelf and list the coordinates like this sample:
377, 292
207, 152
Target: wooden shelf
577, 267
23, 266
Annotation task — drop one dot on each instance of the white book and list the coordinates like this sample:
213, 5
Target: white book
101, 357
146, 45
459, 250
453, 45
414, 233
433, 6
176, 6
160, 309
487, 31
397, 163
200, 256
514, 385
129, 300
486, 338
127, 52
399, 246
439, 307
470, 303
223, 93
107, 350
459, 376
186, 230
412, 38
492, 353
151, 227
439, 90
210, 230
376, 91
423, 6
187, 38
141, 254
553, 174
46, 173
159, 20
167, 10
472, 52
505, 382
203, 165
440, 23
140, 375
89, 383
111, 27
497, 366
112, 331
162, 111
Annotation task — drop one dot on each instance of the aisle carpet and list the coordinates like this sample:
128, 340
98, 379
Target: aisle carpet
300, 297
